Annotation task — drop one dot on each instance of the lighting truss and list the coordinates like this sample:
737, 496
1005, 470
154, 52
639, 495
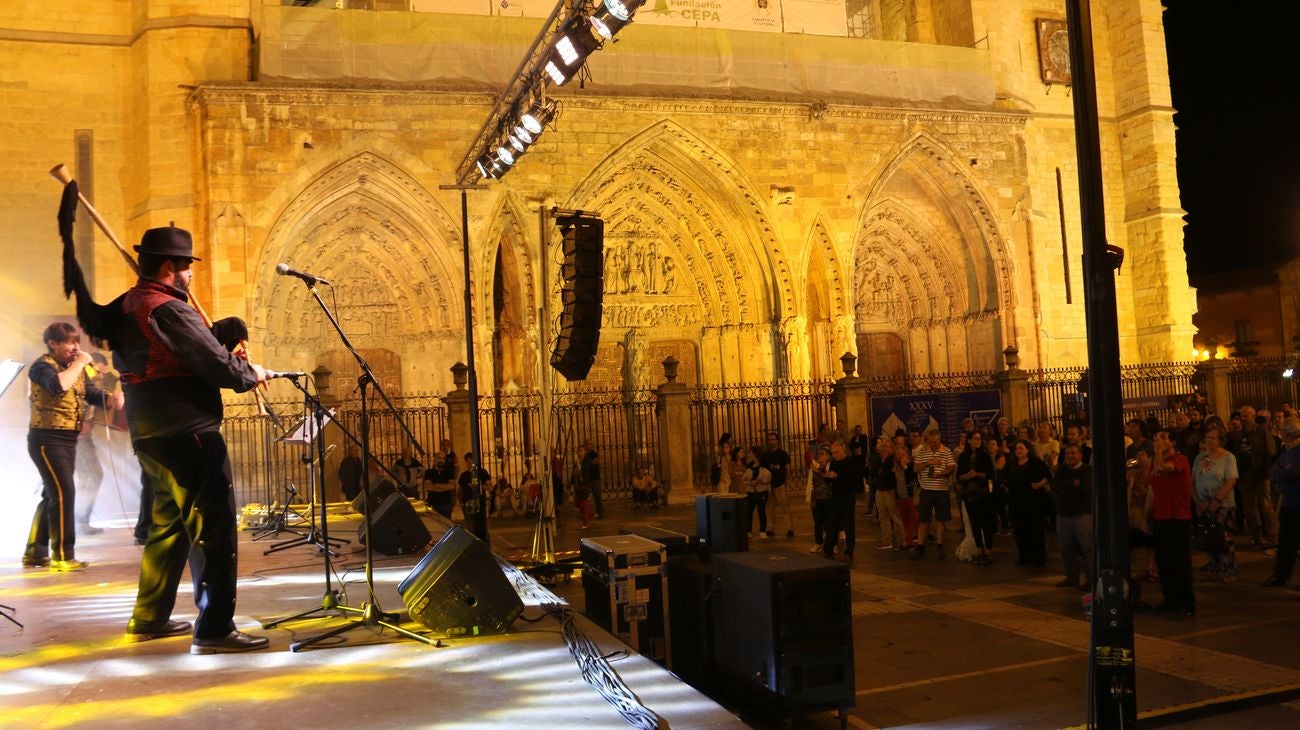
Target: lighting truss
573, 31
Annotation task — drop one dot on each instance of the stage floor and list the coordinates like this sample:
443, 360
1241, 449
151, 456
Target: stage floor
70, 666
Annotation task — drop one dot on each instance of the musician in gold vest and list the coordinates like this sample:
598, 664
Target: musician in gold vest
59, 393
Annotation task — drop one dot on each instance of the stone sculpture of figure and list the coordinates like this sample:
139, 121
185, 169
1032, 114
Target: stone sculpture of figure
635, 372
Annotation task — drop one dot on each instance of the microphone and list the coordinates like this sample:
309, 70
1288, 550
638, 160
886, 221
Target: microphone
309, 279
290, 374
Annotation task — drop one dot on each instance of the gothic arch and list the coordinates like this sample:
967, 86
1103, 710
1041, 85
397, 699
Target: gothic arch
929, 263
505, 264
372, 229
668, 179
820, 248
933, 166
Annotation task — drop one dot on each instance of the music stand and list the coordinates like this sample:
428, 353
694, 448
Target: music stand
9, 370
306, 434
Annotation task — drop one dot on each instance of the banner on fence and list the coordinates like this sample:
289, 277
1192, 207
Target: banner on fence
919, 411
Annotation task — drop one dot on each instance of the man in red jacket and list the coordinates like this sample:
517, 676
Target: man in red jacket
1169, 509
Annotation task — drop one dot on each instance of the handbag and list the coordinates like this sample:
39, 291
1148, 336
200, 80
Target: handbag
1208, 535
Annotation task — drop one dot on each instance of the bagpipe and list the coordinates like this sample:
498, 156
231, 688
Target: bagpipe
97, 320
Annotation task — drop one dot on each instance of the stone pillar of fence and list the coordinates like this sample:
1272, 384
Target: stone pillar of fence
1217, 389
1014, 384
328, 396
673, 406
459, 421
852, 400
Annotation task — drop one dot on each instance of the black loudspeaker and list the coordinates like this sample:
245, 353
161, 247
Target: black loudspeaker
582, 295
720, 523
690, 583
397, 529
459, 589
783, 630
378, 493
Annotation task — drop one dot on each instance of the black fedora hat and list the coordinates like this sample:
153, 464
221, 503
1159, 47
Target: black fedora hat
170, 242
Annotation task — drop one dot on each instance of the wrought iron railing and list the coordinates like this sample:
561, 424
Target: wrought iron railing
623, 425
1057, 395
263, 464
794, 410
1262, 382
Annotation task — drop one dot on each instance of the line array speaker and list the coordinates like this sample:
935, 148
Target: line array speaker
582, 295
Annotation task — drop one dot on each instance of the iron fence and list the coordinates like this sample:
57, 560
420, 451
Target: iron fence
795, 410
1059, 395
1261, 382
623, 425
263, 463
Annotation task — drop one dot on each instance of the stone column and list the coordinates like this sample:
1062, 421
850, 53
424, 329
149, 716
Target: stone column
852, 401
1217, 390
1014, 384
676, 455
459, 421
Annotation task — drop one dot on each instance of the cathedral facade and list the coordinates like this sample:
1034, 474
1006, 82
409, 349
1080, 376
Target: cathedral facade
905, 191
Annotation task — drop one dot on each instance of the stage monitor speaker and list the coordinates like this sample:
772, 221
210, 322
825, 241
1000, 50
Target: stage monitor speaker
397, 529
721, 523
378, 493
459, 589
582, 295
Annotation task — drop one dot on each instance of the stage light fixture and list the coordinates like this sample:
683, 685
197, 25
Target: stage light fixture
506, 157
538, 116
485, 166
570, 51
612, 16
519, 145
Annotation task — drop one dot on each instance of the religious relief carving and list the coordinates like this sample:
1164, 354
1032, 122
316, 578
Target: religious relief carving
617, 314
638, 266
878, 300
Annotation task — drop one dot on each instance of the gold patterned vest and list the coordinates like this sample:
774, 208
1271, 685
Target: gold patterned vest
62, 412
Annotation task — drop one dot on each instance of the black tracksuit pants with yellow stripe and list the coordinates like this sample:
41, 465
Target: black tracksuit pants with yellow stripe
54, 525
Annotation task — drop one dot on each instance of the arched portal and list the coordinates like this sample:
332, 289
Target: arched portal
372, 230
689, 258
931, 278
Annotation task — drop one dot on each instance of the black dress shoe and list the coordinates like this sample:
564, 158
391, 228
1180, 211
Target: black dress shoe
36, 562
142, 631
235, 641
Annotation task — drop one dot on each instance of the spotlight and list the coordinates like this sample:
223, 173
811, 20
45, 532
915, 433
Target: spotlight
506, 157
612, 15
538, 116
1288, 372
569, 52
522, 134
519, 145
485, 165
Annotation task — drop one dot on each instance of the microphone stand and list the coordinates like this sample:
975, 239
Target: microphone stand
370, 613
330, 599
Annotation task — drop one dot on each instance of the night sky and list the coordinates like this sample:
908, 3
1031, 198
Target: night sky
1233, 72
